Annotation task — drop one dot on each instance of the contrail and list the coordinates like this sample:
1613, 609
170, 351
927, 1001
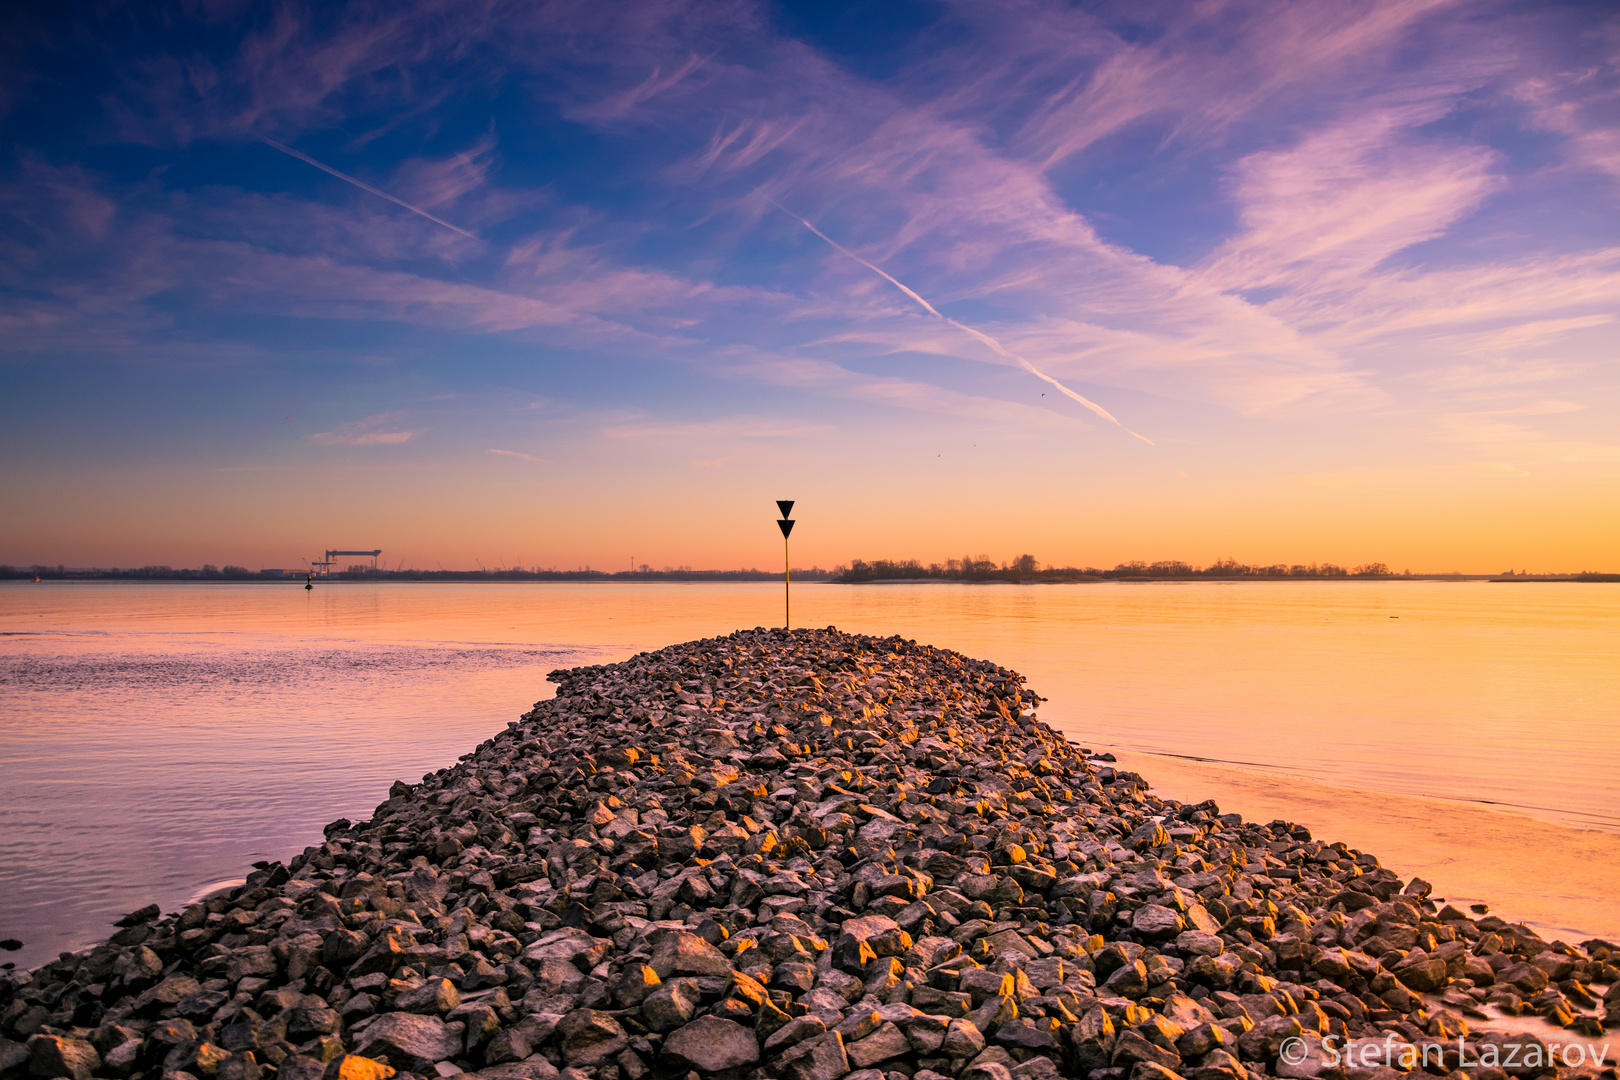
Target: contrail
366, 187
976, 334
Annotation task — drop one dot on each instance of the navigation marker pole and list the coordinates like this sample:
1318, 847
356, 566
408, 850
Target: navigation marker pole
786, 525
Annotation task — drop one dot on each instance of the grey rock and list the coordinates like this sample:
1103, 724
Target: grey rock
408, 1042
310, 1021
820, 1058
793, 1032
672, 1005
588, 1037
963, 1039
710, 1044
58, 1055
886, 1042
682, 953
1156, 923
433, 996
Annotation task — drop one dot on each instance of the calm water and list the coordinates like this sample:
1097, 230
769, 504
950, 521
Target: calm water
155, 739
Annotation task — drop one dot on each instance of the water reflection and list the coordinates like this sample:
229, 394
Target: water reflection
155, 738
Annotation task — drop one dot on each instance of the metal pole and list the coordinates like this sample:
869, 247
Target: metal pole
786, 525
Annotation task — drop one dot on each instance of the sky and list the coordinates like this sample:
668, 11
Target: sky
568, 284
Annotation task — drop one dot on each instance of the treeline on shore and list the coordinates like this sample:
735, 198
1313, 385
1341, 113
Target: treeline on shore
1022, 569
209, 572
1027, 568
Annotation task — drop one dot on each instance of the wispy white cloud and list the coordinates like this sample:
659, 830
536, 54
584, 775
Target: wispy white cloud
1319, 216
1351, 272
441, 181
658, 81
1583, 106
382, 429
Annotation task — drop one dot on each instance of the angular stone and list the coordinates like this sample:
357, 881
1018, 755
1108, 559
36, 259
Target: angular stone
1156, 923
408, 1042
671, 1005
569, 944
681, 953
384, 956
963, 1039
1027, 1034
709, 1044
1148, 834
886, 1042
311, 1021
1526, 978
1261, 1043
820, 1058
793, 1032
1129, 981
1036, 1068
60, 1055
1130, 1047
589, 1037
982, 983
634, 983
170, 991
433, 996
1421, 971
251, 961
239, 1066
927, 1033
305, 1067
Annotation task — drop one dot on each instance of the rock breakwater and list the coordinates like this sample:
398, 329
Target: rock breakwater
809, 856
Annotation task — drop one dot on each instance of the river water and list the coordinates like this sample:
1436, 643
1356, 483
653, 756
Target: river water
155, 739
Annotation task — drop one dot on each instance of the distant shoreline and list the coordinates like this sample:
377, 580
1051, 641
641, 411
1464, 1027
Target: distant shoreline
745, 578
289, 577
1580, 579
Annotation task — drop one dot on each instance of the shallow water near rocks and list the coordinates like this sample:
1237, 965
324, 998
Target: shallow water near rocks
156, 739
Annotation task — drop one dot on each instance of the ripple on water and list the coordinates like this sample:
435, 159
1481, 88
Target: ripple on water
129, 777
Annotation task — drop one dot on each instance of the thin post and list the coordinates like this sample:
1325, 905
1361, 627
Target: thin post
786, 525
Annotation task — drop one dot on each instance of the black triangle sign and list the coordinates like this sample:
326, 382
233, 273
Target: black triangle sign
786, 527
785, 505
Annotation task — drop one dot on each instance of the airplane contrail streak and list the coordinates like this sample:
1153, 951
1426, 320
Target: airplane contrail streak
978, 335
362, 185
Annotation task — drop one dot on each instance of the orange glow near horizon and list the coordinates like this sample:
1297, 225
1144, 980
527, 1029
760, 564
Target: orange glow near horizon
431, 517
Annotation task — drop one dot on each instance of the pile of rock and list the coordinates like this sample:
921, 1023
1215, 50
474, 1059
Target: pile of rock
802, 856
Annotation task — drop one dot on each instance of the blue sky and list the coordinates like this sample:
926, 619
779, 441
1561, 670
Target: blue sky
520, 278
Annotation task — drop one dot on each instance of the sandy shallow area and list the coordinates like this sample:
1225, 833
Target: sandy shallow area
1562, 882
